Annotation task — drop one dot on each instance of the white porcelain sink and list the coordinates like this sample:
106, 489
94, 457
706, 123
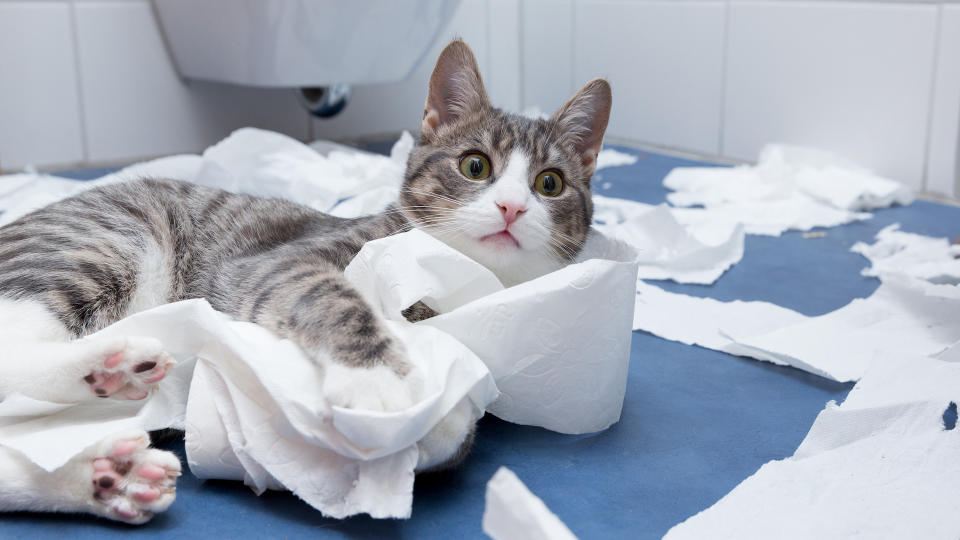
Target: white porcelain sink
300, 43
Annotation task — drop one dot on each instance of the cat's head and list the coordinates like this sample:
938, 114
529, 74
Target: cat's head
511, 192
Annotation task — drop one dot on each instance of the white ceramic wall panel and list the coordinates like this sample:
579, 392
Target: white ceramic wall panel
943, 153
664, 61
503, 38
854, 78
548, 48
136, 105
388, 108
39, 106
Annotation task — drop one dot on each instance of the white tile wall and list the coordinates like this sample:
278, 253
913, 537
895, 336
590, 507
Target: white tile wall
39, 106
943, 155
137, 105
503, 39
548, 52
854, 78
664, 61
879, 82
388, 108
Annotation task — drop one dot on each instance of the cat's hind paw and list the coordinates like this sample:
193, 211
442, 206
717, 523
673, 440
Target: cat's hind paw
129, 368
378, 388
131, 482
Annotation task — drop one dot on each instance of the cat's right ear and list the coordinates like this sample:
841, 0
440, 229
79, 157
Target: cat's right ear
583, 120
455, 88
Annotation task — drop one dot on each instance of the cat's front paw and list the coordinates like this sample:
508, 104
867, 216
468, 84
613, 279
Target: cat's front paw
127, 367
378, 388
447, 444
131, 482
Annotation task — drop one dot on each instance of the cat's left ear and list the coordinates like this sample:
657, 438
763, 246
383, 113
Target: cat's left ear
455, 88
583, 119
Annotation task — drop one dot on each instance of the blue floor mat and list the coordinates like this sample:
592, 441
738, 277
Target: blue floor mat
695, 422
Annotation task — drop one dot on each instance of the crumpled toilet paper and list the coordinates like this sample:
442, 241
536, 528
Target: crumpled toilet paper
267, 422
609, 157
255, 409
881, 465
902, 317
513, 512
34, 191
268, 164
790, 188
909, 255
666, 249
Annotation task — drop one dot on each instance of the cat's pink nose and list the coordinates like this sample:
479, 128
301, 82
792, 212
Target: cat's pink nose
511, 211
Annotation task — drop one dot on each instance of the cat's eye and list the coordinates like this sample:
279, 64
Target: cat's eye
549, 183
475, 166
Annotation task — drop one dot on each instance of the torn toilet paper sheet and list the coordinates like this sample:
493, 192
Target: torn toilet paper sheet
881, 465
251, 161
704, 321
790, 188
267, 423
34, 191
909, 255
513, 512
609, 157
665, 248
781, 172
266, 164
14, 186
900, 318
769, 218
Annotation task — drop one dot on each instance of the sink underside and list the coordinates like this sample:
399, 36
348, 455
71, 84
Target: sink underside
295, 43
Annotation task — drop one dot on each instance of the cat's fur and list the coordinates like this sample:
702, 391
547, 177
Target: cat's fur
83, 263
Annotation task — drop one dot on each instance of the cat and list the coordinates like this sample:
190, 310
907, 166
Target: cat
511, 192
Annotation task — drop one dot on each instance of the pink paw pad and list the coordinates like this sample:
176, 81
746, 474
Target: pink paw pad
113, 360
124, 512
130, 372
132, 482
135, 394
158, 374
147, 495
125, 448
151, 472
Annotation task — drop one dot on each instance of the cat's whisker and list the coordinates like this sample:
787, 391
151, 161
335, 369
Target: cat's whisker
404, 209
576, 242
439, 196
439, 224
564, 252
450, 218
439, 210
442, 228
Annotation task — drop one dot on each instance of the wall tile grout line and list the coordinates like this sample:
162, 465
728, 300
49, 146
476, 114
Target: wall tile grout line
574, 8
78, 72
722, 113
956, 166
521, 48
931, 99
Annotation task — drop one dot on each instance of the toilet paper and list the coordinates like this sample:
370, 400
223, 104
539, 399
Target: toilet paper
255, 410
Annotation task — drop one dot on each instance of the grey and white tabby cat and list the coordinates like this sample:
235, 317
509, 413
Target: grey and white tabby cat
511, 192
